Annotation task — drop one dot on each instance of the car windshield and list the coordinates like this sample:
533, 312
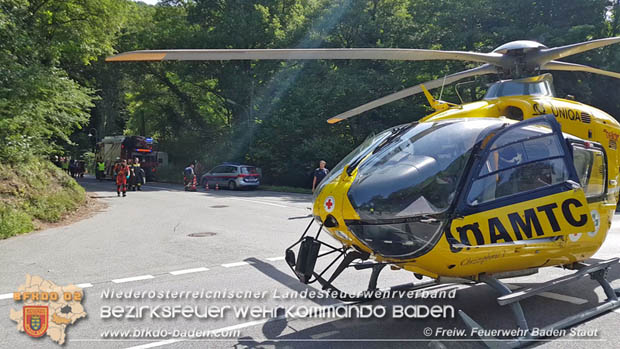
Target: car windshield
418, 172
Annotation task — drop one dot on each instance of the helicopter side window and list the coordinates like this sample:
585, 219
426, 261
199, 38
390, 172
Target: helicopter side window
516, 166
521, 152
591, 169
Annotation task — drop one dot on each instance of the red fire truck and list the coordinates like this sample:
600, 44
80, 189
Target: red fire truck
117, 148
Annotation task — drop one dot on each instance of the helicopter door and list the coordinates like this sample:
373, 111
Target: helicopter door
523, 186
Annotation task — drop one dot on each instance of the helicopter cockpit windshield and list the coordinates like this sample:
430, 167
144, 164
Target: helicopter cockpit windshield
418, 173
410, 178
524, 87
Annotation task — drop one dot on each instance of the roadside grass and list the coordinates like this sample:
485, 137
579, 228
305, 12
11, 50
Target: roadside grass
35, 191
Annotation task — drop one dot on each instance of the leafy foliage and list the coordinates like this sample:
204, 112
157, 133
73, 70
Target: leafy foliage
268, 113
272, 114
40, 42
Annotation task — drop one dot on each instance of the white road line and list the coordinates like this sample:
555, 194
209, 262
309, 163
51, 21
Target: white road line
187, 271
135, 278
223, 329
237, 264
84, 285
273, 259
6, 296
259, 202
323, 335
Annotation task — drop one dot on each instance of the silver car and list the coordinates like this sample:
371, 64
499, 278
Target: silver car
232, 176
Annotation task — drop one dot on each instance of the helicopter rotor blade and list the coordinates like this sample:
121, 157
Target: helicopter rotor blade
481, 70
295, 54
547, 55
557, 65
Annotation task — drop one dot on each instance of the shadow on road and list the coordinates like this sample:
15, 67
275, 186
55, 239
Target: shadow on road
478, 301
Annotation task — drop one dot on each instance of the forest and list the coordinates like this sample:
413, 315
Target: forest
56, 88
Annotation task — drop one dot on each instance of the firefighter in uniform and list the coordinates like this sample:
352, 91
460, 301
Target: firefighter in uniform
138, 176
100, 170
121, 178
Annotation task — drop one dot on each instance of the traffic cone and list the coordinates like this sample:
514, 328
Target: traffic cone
207, 186
217, 187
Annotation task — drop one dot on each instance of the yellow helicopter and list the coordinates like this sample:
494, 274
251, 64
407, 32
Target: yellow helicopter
471, 193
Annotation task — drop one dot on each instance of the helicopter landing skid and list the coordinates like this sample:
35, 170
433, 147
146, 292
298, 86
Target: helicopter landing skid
310, 251
597, 271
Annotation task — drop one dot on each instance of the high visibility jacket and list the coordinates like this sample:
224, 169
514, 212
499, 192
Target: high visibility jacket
101, 166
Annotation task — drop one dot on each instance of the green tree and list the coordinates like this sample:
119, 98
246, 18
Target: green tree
40, 105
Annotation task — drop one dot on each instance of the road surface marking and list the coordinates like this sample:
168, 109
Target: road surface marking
223, 329
135, 278
273, 259
259, 202
237, 264
323, 335
84, 285
556, 296
187, 271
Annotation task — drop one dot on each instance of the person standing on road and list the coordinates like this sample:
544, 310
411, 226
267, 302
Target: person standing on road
319, 174
100, 169
139, 175
188, 177
121, 178
117, 165
64, 164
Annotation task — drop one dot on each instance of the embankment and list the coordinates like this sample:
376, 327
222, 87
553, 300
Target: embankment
34, 193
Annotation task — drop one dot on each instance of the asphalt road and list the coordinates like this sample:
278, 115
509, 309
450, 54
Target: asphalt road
142, 243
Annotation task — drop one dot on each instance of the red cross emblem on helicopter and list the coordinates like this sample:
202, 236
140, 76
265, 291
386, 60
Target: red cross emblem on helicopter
329, 204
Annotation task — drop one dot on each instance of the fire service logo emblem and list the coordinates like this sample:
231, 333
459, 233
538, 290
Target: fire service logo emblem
48, 309
35, 320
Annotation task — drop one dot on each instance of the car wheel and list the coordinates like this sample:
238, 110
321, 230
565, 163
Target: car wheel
232, 185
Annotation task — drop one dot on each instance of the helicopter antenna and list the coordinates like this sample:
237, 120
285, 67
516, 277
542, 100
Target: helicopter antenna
456, 88
442, 85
